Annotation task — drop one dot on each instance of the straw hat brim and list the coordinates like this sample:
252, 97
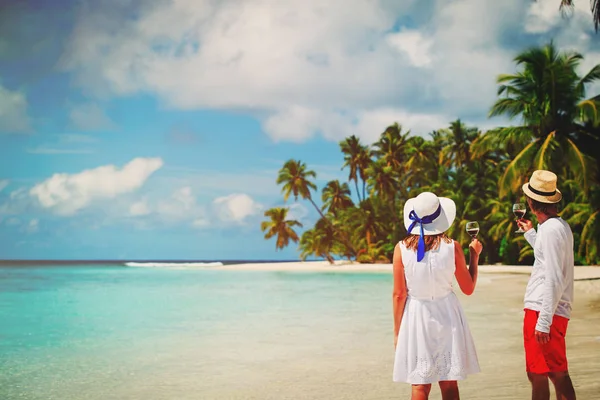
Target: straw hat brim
439, 225
555, 198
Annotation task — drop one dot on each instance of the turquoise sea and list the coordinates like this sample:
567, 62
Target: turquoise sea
116, 332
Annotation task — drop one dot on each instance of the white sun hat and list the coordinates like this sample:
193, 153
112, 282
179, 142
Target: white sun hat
436, 213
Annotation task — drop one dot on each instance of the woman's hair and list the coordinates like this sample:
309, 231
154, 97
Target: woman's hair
546, 208
432, 242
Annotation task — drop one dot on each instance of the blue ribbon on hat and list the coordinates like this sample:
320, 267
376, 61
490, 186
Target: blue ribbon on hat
425, 220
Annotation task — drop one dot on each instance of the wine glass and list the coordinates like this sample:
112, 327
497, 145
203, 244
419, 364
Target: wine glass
519, 211
472, 228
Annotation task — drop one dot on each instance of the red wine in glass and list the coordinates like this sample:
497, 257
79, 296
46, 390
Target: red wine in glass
472, 228
519, 211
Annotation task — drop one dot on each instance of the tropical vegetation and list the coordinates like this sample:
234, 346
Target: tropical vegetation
555, 126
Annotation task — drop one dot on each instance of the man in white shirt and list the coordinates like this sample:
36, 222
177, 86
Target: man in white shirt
549, 293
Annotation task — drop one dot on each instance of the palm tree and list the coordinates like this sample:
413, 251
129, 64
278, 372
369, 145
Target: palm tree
382, 181
549, 96
336, 196
584, 218
420, 159
364, 222
456, 144
357, 157
296, 180
389, 147
319, 241
280, 226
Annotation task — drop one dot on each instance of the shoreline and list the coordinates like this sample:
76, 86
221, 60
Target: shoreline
582, 273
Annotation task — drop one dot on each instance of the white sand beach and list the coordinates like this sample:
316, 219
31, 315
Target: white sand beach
581, 272
361, 366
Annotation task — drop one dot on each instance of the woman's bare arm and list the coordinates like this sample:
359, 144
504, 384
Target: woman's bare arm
467, 278
400, 292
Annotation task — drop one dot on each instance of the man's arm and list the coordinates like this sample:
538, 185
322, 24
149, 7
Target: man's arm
530, 233
553, 247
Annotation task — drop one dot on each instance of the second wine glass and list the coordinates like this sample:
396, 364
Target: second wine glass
472, 228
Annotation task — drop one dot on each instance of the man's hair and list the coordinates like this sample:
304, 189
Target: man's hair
432, 242
546, 208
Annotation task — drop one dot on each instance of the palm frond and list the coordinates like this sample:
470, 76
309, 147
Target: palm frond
514, 173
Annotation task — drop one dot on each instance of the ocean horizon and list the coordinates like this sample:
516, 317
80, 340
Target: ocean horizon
124, 262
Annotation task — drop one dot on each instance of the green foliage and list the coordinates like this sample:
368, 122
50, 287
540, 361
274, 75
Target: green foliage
481, 172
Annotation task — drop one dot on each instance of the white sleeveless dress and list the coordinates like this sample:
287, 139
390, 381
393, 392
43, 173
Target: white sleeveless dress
434, 342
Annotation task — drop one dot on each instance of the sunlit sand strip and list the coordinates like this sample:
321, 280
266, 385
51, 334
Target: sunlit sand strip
581, 273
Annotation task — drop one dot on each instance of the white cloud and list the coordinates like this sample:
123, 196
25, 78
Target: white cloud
3, 184
32, 227
200, 223
542, 16
180, 205
66, 194
139, 208
236, 207
90, 117
300, 124
297, 211
307, 68
414, 45
13, 112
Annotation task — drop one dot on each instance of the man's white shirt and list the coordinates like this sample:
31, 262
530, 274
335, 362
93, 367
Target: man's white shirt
550, 287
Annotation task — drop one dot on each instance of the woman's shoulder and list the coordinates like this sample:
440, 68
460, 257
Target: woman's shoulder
455, 245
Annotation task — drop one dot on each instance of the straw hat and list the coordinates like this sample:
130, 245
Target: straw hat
542, 187
437, 214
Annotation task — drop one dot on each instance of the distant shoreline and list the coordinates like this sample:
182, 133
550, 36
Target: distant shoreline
581, 272
340, 266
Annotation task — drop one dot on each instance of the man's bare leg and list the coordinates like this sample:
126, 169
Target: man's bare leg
449, 390
563, 385
421, 392
540, 389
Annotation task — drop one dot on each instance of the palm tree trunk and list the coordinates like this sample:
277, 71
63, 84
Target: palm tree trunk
329, 258
364, 184
357, 192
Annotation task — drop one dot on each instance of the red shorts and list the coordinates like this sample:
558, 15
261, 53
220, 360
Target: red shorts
549, 357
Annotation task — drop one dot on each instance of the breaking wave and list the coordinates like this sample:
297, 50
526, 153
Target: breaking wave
173, 264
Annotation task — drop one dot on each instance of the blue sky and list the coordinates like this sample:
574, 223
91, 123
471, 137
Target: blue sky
155, 129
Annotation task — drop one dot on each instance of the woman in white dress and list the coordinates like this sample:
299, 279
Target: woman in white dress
431, 335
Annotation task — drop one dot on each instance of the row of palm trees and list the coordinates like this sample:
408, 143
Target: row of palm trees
557, 127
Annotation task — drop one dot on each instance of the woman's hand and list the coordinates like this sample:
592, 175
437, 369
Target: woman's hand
475, 247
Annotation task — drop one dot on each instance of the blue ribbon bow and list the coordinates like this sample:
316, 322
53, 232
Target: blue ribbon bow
425, 220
